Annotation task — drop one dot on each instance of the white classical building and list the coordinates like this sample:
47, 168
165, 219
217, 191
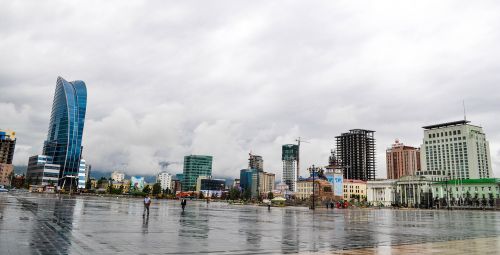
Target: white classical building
381, 192
165, 180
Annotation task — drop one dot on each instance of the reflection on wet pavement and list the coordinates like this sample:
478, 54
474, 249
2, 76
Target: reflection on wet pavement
46, 224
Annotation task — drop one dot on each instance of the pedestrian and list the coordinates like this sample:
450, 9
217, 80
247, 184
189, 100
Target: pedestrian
326, 205
331, 205
183, 204
269, 206
147, 202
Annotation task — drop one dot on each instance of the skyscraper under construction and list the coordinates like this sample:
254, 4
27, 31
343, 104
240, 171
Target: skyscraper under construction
356, 153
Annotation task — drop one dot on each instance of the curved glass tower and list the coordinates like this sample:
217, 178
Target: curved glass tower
64, 140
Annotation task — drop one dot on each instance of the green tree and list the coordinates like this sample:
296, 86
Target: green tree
234, 194
88, 185
146, 189
270, 195
156, 189
247, 194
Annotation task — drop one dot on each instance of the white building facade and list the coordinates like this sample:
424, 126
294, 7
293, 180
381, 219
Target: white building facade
82, 174
457, 150
380, 192
165, 180
118, 176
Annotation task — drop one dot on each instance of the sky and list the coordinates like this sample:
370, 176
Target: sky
167, 79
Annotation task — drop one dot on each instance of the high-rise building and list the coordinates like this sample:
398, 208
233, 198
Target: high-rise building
7, 146
81, 174
266, 182
117, 176
289, 156
165, 180
402, 160
457, 150
195, 166
249, 180
88, 170
255, 162
356, 154
64, 139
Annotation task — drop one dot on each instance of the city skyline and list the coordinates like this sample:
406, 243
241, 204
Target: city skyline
253, 78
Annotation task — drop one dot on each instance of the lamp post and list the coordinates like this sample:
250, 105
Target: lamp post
313, 173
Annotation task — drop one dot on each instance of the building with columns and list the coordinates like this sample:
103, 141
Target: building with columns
380, 192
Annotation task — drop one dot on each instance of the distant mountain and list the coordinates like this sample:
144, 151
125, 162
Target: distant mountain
20, 169
97, 174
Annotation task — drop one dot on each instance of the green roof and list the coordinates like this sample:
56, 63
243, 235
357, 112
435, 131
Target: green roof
472, 181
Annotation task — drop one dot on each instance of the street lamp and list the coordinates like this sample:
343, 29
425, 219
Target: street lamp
313, 173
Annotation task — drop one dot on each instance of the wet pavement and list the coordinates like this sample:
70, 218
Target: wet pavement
46, 224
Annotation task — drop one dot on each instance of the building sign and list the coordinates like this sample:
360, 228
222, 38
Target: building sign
137, 183
338, 185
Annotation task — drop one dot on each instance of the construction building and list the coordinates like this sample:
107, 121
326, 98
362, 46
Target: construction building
289, 156
356, 154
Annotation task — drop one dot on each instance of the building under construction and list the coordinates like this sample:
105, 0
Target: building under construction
356, 154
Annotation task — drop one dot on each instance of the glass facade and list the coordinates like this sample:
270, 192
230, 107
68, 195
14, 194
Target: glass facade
64, 139
195, 166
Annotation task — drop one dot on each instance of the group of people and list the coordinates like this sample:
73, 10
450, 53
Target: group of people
147, 203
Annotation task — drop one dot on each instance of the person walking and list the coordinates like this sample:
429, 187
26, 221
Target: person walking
147, 202
183, 204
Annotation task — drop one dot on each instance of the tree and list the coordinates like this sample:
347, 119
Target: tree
270, 195
247, 194
234, 194
146, 189
156, 189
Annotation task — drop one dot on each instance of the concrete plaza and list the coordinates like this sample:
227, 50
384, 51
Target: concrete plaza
47, 224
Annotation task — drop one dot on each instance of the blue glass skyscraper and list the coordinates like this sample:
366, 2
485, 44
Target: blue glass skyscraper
64, 139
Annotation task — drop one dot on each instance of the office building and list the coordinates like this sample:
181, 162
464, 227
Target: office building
42, 170
198, 182
88, 170
209, 185
64, 139
456, 150
402, 160
289, 156
266, 182
356, 154
195, 166
249, 180
117, 176
165, 180
255, 162
7, 146
81, 174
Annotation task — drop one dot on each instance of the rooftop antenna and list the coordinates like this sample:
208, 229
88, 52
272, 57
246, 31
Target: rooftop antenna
465, 115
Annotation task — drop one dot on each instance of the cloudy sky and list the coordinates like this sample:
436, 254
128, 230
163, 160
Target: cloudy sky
223, 78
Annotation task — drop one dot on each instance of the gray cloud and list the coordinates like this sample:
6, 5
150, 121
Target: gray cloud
169, 78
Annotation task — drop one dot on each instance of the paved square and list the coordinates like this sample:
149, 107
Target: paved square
46, 224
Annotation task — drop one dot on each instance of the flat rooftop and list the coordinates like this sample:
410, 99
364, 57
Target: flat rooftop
447, 124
